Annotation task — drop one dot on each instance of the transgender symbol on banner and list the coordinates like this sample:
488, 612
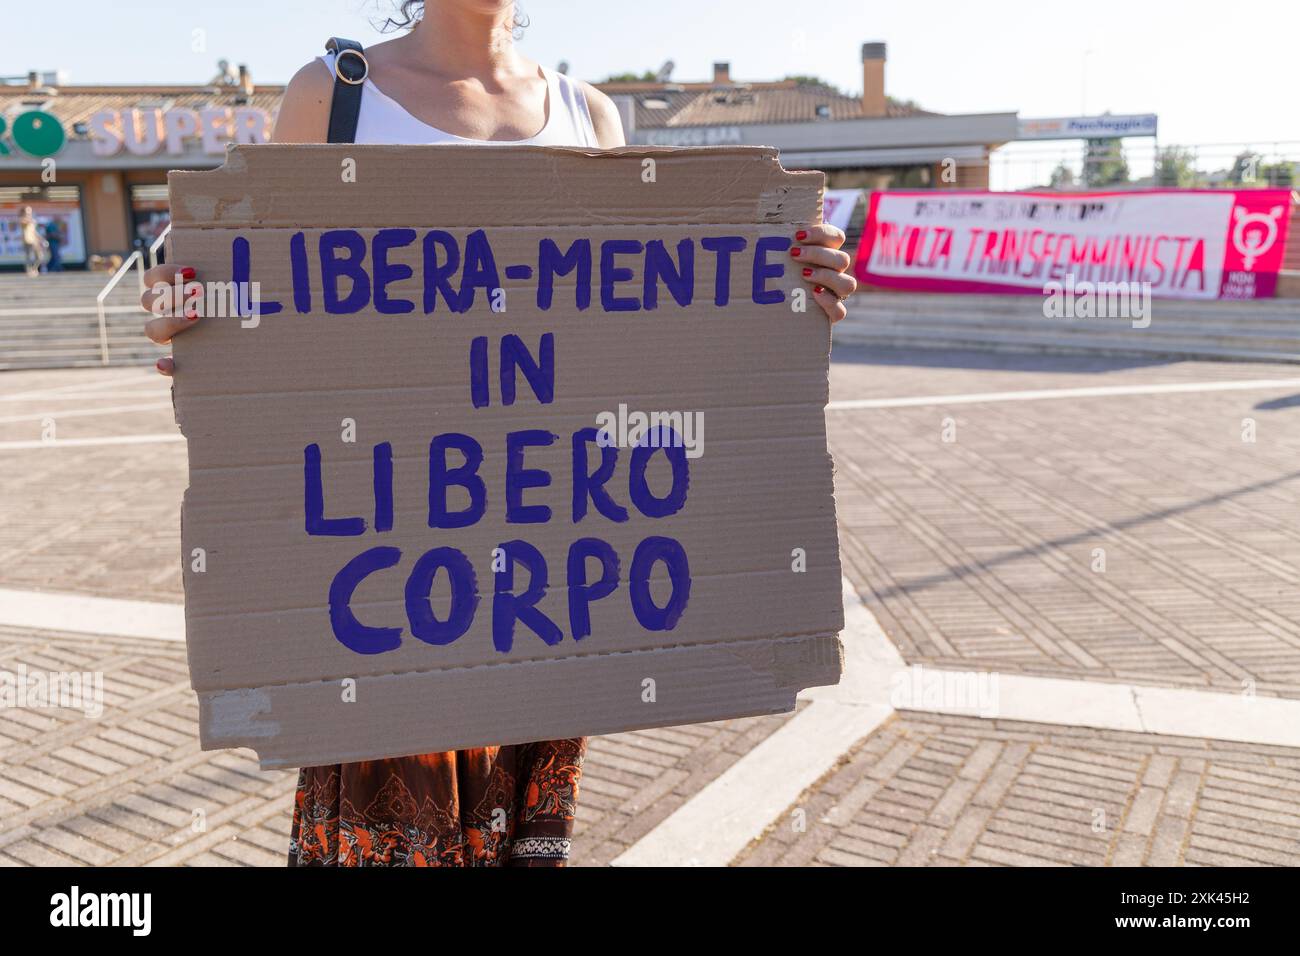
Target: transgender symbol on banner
1254, 245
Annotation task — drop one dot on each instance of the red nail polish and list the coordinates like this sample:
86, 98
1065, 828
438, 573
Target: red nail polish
187, 273
794, 251
192, 313
818, 289
159, 365
801, 235
807, 272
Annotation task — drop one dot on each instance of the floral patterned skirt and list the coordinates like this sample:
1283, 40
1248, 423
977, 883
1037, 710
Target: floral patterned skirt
491, 806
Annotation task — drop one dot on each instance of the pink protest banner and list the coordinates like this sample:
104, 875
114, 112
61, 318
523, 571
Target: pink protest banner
1187, 243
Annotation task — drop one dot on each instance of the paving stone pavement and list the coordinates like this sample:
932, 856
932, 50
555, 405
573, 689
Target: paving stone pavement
961, 791
96, 520
132, 787
976, 532
975, 554
632, 781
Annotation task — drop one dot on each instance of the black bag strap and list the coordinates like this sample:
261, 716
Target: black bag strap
350, 71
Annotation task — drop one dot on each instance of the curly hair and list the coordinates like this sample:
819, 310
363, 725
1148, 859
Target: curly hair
411, 11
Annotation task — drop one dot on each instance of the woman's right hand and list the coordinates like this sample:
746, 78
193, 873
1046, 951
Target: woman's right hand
167, 310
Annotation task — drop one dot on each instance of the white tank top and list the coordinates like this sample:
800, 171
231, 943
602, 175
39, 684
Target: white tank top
385, 121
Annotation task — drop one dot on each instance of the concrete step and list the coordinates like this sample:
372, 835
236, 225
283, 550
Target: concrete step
65, 287
69, 326
71, 339
71, 300
12, 284
913, 302
77, 359
52, 321
59, 288
78, 350
1046, 342
11, 352
1275, 339
67, 302
1274, 324
68, 362
1267, 330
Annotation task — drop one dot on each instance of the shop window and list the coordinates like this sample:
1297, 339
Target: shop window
150, 215
59, 220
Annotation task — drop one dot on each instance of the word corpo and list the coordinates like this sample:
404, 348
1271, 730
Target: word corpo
512, 601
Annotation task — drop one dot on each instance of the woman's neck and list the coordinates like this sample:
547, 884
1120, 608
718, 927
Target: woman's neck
459, 40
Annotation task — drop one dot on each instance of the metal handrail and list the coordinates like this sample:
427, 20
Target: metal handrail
157, 244
134, 259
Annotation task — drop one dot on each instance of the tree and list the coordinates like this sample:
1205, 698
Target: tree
1280, 174
909, 105
1249, 169
1062, 177
805, 79
1104, 163
649, 76
1176, 167
1245, 169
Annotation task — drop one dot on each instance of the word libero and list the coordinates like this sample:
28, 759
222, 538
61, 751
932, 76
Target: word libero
355, 274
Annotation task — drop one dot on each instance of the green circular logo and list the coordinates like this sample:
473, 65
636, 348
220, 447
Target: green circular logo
38, 133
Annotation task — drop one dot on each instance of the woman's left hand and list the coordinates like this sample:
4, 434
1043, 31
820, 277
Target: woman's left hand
823, 265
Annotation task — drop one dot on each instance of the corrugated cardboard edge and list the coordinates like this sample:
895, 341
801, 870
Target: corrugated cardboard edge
545, 700
218, 198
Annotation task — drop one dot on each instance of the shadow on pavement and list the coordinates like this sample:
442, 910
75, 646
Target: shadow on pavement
1273, 404
966, 570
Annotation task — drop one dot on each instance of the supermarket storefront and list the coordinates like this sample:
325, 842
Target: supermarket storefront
92, 162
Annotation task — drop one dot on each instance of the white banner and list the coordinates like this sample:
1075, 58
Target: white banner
1106, 126
838, 205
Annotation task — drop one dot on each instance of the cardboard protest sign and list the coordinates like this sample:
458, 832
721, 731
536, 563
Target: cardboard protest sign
500, 444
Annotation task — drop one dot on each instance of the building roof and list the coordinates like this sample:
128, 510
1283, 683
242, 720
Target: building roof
77, 104
657, 105
669, 105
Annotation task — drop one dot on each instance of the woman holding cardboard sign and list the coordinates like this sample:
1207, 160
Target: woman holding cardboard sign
455, 77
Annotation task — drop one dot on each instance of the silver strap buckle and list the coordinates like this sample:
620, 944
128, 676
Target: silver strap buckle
365, 66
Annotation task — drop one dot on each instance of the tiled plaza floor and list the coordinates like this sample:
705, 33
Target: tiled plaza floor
979, 553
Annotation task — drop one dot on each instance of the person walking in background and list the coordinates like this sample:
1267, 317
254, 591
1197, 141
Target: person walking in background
54, 240
33, 244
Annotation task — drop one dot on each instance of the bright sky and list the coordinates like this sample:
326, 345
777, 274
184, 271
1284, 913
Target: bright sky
1203, 66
